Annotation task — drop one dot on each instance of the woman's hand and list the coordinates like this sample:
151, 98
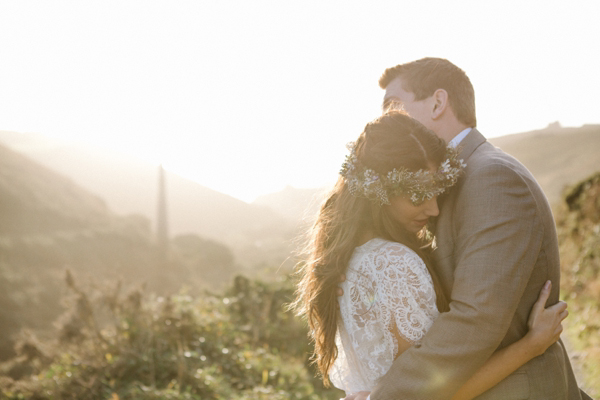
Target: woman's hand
545, 324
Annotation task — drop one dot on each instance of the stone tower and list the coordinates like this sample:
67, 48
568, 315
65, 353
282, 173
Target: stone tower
162, 233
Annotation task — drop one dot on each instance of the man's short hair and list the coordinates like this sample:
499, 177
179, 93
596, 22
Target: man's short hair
423, 77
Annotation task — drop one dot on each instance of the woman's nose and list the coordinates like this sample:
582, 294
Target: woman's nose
431, 207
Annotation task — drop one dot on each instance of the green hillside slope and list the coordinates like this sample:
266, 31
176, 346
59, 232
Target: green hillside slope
256, 234
557, 157
578, 223
49, 224
36, 200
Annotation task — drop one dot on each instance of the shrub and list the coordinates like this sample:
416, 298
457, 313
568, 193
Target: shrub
239, 345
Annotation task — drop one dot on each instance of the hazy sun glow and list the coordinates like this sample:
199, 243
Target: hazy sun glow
247, 97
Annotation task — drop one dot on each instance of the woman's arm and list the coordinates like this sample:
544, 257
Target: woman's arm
544, 329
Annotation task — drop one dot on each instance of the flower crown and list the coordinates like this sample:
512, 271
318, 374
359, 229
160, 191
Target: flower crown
420, 186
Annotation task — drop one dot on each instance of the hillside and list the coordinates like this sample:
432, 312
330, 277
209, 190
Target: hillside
261, 233
35, 200
256, 233
49, 224
578, 223
556, 156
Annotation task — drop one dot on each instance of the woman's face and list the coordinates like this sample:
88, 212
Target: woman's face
413, 218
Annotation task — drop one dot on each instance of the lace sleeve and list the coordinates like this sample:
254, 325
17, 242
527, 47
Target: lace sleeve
405, 292
388, 289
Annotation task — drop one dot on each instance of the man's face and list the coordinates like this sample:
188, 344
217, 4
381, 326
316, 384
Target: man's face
397, 97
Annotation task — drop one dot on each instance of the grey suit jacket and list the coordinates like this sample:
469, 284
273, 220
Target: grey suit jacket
497, 246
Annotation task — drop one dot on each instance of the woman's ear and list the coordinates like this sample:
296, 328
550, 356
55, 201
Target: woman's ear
440, 103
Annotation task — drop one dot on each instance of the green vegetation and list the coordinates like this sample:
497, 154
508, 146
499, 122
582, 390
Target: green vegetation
556, 156
32, 269
238, 345
578, 222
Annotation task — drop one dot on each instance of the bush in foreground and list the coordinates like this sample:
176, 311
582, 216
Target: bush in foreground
240, 345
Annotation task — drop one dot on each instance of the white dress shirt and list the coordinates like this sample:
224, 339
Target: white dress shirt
458, 138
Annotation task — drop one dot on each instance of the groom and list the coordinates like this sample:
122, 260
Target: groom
496, 247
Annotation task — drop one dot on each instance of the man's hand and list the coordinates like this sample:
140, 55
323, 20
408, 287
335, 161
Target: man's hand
357, 396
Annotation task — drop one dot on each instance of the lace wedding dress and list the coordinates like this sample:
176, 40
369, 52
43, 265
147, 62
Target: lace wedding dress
387, 289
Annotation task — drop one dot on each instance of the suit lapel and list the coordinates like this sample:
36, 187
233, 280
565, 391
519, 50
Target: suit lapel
443, 224
467, 146
470, 143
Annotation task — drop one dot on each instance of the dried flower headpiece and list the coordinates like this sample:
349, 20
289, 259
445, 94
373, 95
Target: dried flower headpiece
420, 186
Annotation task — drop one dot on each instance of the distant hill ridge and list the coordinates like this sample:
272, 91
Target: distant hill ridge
129, 186
556, 156
36, 200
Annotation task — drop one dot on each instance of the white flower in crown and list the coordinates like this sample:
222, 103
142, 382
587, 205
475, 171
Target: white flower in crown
370, 177
445, 167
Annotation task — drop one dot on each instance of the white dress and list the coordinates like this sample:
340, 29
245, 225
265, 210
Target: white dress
387, 287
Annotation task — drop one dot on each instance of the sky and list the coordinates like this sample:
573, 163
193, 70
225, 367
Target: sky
247, 97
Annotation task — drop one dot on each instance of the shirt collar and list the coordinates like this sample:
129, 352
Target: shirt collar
458, 138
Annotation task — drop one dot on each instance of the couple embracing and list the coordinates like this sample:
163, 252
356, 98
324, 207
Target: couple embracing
448, 254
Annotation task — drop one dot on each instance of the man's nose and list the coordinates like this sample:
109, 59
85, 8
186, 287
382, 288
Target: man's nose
431, 207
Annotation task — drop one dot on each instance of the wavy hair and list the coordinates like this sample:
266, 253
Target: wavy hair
393, 140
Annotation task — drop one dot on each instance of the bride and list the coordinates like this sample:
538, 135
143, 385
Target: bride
372, 229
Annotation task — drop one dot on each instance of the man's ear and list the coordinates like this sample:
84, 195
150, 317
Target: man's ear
440, 103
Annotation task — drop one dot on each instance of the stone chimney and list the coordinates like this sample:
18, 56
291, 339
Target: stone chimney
162, 231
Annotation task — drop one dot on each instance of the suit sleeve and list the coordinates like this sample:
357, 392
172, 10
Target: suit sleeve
497, 242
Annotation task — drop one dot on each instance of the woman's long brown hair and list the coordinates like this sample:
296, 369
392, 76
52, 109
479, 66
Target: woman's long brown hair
394, 140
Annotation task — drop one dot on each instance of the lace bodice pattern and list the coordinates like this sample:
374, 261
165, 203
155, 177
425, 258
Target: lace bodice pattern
387, 288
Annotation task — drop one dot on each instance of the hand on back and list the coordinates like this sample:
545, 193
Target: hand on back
545, 324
